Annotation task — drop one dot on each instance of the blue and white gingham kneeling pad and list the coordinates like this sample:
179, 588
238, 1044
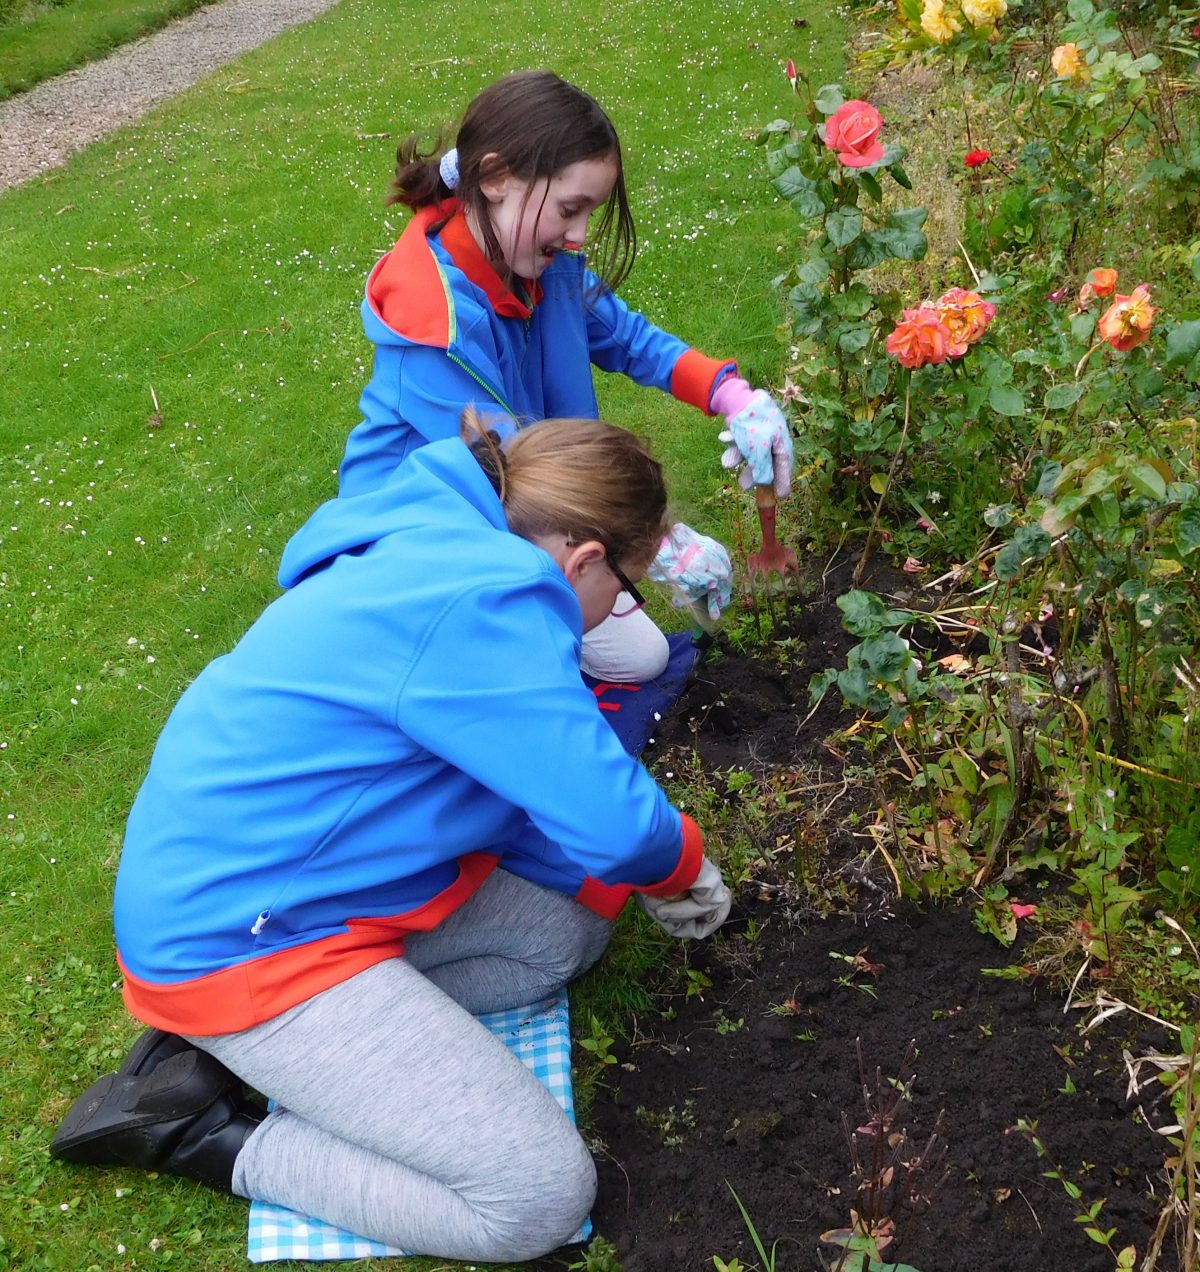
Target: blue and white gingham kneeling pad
540, 1036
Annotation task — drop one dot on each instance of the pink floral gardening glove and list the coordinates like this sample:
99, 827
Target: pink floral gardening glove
760, 442
696, 568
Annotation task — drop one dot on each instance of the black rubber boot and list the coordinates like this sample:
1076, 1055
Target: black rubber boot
182, 1119
154, 1047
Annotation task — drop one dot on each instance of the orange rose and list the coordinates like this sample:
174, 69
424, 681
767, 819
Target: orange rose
1100, 282
965, 315
1126, 323
921, 338
1067, 63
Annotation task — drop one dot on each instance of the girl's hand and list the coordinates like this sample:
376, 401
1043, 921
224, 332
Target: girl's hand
696, 913
695, 568
760, 442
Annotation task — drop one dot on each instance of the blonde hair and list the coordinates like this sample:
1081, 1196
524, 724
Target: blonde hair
582, 478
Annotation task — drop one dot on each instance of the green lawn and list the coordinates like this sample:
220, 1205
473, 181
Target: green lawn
212, 258
39, 39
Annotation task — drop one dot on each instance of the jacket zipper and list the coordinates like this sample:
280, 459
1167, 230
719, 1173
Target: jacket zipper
482, 383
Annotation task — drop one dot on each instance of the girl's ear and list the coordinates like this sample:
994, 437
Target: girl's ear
581, 559
493, 185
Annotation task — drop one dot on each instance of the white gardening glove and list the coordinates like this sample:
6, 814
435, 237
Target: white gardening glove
698, 912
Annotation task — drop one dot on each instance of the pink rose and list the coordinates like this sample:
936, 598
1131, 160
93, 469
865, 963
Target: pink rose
852, 131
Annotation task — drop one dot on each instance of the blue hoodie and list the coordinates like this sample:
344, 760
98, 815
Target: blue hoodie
408, 715
448, 333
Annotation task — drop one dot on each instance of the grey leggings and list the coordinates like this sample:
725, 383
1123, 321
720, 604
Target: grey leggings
400, 1117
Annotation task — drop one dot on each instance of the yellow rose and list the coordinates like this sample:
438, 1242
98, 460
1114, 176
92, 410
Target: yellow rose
936, 23
984, 13
1068, 63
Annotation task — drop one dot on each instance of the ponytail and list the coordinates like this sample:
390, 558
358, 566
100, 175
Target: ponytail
582, 478
418, 181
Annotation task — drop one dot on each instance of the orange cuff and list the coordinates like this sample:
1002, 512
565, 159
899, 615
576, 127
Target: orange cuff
690, 859
693, 378
605, 899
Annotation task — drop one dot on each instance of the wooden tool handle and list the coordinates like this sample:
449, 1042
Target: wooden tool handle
764, 497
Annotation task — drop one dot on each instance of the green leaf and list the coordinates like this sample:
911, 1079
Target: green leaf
800, 191
1082, 327
866, 251
1187, 529
854, 302
999, 515
886, 655
775, 126
1005, 400
901, 234
1183, 343
854, 338
1147, 481
870, 183
1048, 478
864, 614
1029, 542
900, 177
828, 98
843, 226
1063, 395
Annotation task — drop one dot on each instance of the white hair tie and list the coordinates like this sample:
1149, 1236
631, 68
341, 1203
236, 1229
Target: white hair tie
448, 169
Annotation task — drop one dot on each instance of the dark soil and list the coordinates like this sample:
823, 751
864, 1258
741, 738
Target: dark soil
754, 1083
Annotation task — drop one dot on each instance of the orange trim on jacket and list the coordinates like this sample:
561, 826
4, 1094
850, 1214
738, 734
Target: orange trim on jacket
690, 860
248, 993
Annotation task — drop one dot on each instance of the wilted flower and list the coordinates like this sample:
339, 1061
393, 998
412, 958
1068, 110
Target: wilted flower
976, 158
919, 339
1020, 910
1058, 295
965, 315
1126, 323
937, 23
1067, 62
984, 13
791, 73
852, 132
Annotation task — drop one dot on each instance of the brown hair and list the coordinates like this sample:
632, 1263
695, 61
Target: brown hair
536, 124
582, 478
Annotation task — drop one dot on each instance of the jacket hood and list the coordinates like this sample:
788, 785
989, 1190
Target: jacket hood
439, 485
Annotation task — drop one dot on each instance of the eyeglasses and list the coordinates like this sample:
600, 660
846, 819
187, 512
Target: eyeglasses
611, 561
638, 599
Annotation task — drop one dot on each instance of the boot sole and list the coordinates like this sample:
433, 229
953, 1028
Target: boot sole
118, 1106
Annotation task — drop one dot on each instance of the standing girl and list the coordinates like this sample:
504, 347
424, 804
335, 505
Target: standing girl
391, 807
486, 299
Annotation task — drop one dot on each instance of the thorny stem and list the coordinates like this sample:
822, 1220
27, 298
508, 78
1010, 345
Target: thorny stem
861, 567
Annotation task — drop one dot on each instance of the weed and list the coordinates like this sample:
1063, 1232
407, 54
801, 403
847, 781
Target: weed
890, 1172
600, 1256
673, 1126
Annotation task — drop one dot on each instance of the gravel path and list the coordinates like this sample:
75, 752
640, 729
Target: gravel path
40, 129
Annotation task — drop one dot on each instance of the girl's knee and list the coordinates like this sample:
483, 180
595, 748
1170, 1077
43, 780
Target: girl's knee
549, 1209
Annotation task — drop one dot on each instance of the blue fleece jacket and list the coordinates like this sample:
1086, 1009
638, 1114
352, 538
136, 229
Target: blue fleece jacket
407, 715
448, 333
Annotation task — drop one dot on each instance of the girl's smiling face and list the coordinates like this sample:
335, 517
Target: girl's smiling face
532, 221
